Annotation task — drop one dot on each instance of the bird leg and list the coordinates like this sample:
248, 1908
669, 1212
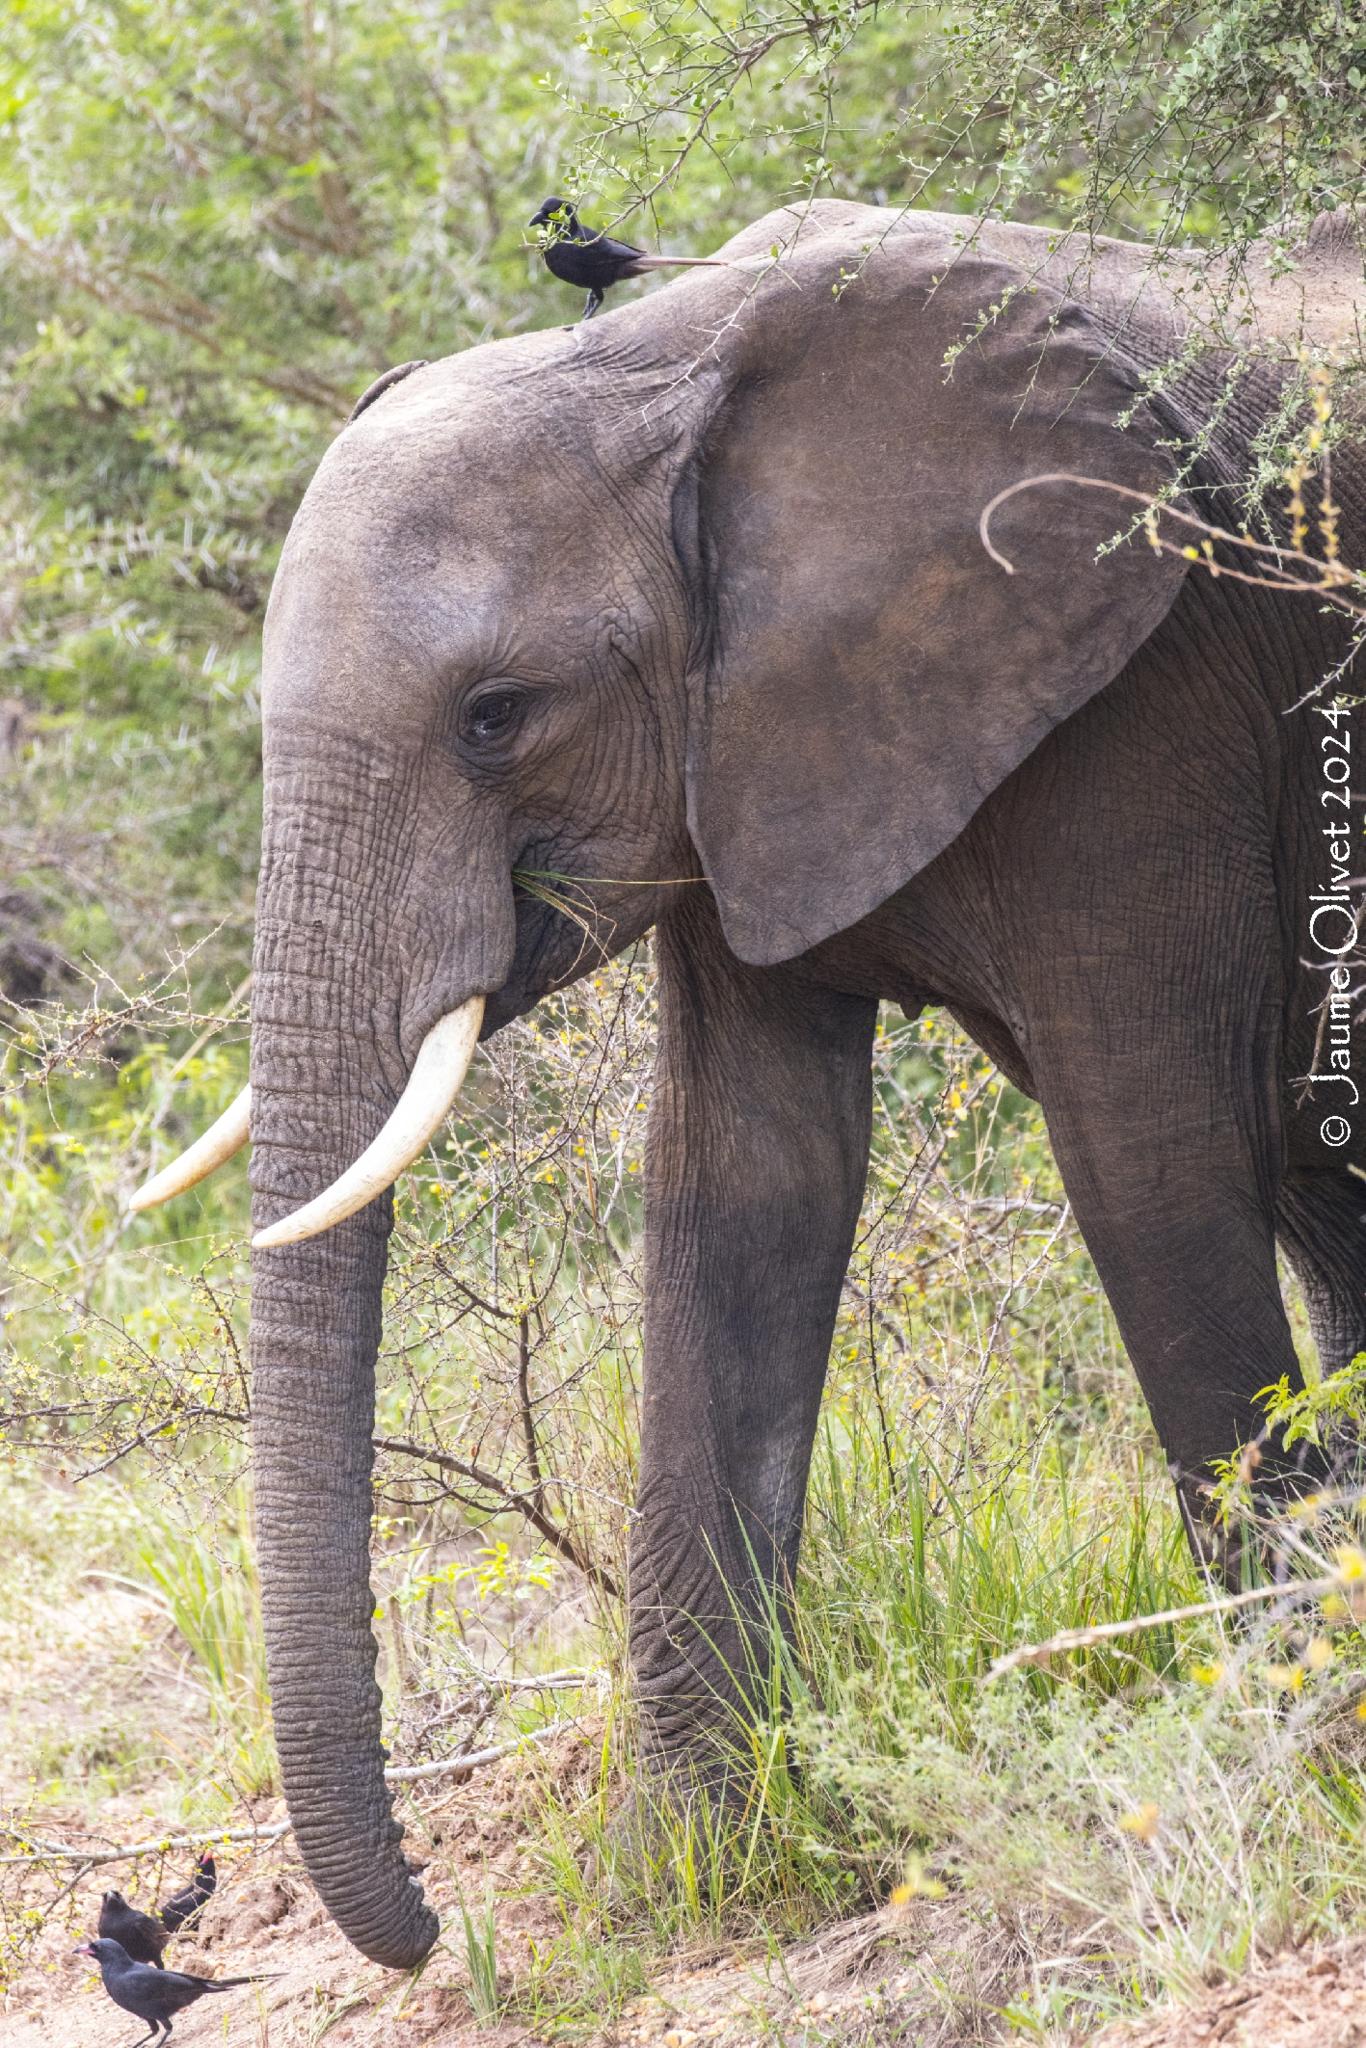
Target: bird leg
593, 301
147, 2037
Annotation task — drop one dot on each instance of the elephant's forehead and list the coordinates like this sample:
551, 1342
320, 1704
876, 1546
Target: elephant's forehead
443, 528
492, 463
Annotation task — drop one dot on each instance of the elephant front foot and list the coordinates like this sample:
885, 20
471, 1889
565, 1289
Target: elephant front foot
711, 1786
681, 1831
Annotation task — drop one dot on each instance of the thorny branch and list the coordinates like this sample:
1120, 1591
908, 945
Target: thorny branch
522, 1503
1331, 579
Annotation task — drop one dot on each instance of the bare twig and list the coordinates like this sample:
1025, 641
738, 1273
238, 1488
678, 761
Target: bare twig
883, 1427
533, 1455
209, 1838
92, 1859
1112, 1631
1331, 579
453, 1766
509, 1497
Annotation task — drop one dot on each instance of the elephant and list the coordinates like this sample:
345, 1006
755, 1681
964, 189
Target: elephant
693, 604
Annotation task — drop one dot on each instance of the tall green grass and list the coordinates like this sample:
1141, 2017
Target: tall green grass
204, 1580
1136, 1819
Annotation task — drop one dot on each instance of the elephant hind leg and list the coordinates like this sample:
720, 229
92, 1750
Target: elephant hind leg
1321, 1224
1172, 1161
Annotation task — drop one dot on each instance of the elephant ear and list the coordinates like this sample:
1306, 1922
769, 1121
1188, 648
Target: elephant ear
872, 674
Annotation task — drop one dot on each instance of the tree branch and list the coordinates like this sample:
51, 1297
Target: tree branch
1112, 1631
509, 1497
1331, 579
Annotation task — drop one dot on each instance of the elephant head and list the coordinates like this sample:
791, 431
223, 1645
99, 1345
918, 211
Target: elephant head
696, 590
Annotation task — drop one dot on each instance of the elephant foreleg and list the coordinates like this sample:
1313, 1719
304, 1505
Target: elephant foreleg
758, 1152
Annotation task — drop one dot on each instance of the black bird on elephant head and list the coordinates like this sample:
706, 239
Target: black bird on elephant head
594, 261
152, 1995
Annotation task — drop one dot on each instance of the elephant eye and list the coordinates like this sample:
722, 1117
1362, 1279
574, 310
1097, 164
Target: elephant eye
490, 716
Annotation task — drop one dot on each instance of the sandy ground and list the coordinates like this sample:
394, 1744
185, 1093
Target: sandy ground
1315, 1998
931, 1975
876, 1979
868, 1980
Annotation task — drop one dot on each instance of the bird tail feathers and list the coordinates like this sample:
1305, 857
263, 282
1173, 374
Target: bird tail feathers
680, 263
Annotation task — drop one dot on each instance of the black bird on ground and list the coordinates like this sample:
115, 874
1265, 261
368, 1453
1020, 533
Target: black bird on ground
594, 261
139, 1935
152, 1995
183, 1908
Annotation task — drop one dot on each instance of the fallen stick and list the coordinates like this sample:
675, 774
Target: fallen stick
210, 1838
1109, 1631
448, 1766
63, 1852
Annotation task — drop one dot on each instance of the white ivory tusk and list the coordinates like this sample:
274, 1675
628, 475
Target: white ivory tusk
442, 1060
223, 1137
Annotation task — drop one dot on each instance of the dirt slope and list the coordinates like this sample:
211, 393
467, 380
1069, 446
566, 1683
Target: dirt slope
871, 1980
1314, 1998
937, 1974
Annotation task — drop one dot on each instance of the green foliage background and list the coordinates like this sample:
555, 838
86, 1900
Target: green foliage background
217, 225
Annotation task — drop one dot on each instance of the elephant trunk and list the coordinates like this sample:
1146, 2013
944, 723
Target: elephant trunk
326, 1071
313, 1400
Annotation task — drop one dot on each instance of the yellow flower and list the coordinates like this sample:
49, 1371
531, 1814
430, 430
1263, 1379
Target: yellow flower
1318, 1654
916, 1884
1350, 1561
1285, 1677
1144, 1821
1207, 1674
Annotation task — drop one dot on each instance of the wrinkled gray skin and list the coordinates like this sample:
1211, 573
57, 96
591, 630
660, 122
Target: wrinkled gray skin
719, 552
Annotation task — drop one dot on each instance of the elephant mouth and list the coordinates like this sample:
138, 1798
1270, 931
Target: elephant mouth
551, 951
437, 1075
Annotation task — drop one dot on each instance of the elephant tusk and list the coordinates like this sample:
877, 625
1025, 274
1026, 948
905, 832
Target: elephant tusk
223, 1137
441, 1064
